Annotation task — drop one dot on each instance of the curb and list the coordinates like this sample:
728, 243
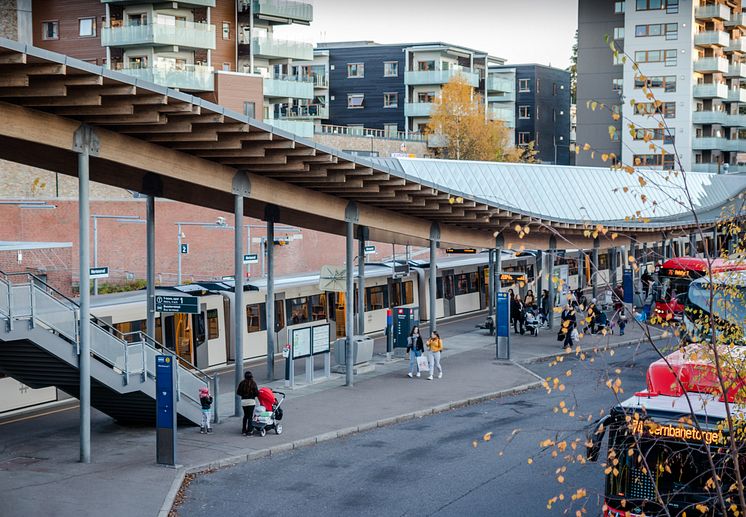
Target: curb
586, 350
332, 435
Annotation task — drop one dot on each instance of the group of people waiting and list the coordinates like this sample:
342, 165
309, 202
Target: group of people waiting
416, 349
519, 308
593, 317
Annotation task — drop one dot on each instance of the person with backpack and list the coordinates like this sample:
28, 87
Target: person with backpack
415, 347
205, 399
435, 346
248, 391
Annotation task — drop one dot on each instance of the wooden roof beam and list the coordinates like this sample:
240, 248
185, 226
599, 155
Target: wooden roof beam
349, 185
12, 58
214, 154
294, 167
70, 100
168, 127
144, 117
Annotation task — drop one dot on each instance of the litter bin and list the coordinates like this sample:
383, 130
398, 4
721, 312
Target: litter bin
362, 350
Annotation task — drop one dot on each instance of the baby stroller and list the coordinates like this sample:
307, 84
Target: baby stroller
268, 413
531, 321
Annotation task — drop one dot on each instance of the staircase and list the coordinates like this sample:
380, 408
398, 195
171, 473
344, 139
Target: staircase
39, 347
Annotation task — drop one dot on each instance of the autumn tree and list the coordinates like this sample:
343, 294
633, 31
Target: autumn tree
459, 119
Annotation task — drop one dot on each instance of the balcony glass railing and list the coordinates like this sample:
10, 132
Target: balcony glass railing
185, 77
736, 70
736, 20
505, 115
710, 91
737, 95
710, 117
271, 47
326, 129
187, 3
719, 38
710, 11
440, 76
711, 65
500, 84
302, 128
291, 86
312, 111
737, 45
300, 12
418, 109
182, 34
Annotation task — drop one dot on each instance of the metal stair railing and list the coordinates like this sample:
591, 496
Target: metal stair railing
129, 354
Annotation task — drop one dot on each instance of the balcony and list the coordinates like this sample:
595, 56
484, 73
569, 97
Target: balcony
737, 45
439, 76
288, 86
710, 117
736, 145
712, 38
272, 48
500, 84
504, 97
736, 70
180, 34
188, 3
320, 81
418, 109
706, 167
710, 142
313, 111
710, 91
737, 95
736, 20
505, 115
302, 128
711, 65
280, 11
186, 77
712, 11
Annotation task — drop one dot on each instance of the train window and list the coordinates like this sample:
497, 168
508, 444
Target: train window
439, 287
408, 292
462, 282
603, 261
129, 327
572, 266
213, 326
297, 310
279, 316
256, 317
473, 282
318, 307
377, 298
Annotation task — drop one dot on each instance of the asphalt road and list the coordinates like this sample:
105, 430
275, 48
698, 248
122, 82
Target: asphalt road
440, 465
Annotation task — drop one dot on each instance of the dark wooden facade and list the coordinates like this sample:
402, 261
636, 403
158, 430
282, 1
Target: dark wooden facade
68, 13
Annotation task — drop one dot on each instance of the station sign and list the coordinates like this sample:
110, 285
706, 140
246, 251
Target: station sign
165, 402
98, 272
401, 270
251, 258
467, 251
184, 249
179, 304
369, 250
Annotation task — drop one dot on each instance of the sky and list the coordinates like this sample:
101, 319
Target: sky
522, 31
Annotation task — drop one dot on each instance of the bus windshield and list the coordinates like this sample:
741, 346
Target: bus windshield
728, 304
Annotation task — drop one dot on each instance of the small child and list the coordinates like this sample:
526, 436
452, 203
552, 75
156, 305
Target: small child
206, 400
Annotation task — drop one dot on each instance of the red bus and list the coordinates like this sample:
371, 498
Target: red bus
674, 277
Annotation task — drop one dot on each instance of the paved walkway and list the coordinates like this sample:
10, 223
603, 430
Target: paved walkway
40, 475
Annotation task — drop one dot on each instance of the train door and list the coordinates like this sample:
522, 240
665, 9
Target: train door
180, 336
281, 332
484, 286
339, 313
449, 296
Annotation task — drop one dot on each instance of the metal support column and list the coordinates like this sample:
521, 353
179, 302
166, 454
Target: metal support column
349, 299
693, 245
150, 265
238, 307
491, 283
715, 243
178, 267
95, 253
270, 303
594, 268
644, 257
612, 267
550, 286
581, 269
362, 237
433, 289
84, 360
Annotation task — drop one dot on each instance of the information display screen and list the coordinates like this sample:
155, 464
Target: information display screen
301, 342
320, 339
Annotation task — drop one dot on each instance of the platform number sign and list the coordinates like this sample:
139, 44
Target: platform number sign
184, 249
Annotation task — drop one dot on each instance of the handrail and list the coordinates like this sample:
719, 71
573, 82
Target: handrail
158, 346
42, 282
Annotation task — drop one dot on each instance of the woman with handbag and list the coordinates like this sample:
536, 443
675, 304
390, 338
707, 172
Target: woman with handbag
435, 346
415, 347
248, 391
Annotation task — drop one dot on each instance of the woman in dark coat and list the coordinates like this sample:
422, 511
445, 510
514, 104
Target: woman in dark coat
248, 391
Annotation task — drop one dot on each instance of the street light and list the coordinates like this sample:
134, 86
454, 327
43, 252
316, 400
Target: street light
219, 223
117, 218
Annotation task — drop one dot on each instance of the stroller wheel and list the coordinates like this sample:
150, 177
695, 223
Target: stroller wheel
262, 432
278, 429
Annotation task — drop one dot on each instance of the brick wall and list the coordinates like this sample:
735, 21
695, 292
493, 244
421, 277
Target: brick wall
53, 264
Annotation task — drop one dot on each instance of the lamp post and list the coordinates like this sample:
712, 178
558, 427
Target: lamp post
219, 223
117, 218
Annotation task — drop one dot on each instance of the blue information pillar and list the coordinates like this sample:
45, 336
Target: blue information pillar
165, 401
629, 291
502, 326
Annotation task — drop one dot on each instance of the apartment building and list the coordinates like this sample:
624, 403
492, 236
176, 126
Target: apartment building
393, 87
542, 111
692, 54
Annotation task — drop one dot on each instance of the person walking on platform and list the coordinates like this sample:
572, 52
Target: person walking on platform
205, 401
529, 300
248, 391
545, 306
415, 347
435, 346
568, 325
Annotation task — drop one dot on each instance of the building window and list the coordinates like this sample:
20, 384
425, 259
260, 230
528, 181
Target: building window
667, 109
524, 137
654, 160
554, 89
523, 86
355, 70
656, 5
618, 32
656, 56
667, 82
424, 66
50, 30
618, 58
537, 111
619, 7
390, 68
524, 112
617, 84
538, 86
669, 30
226, 30
426, 97
667, 135
87, 27
390, 100
355, 100
249, 109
